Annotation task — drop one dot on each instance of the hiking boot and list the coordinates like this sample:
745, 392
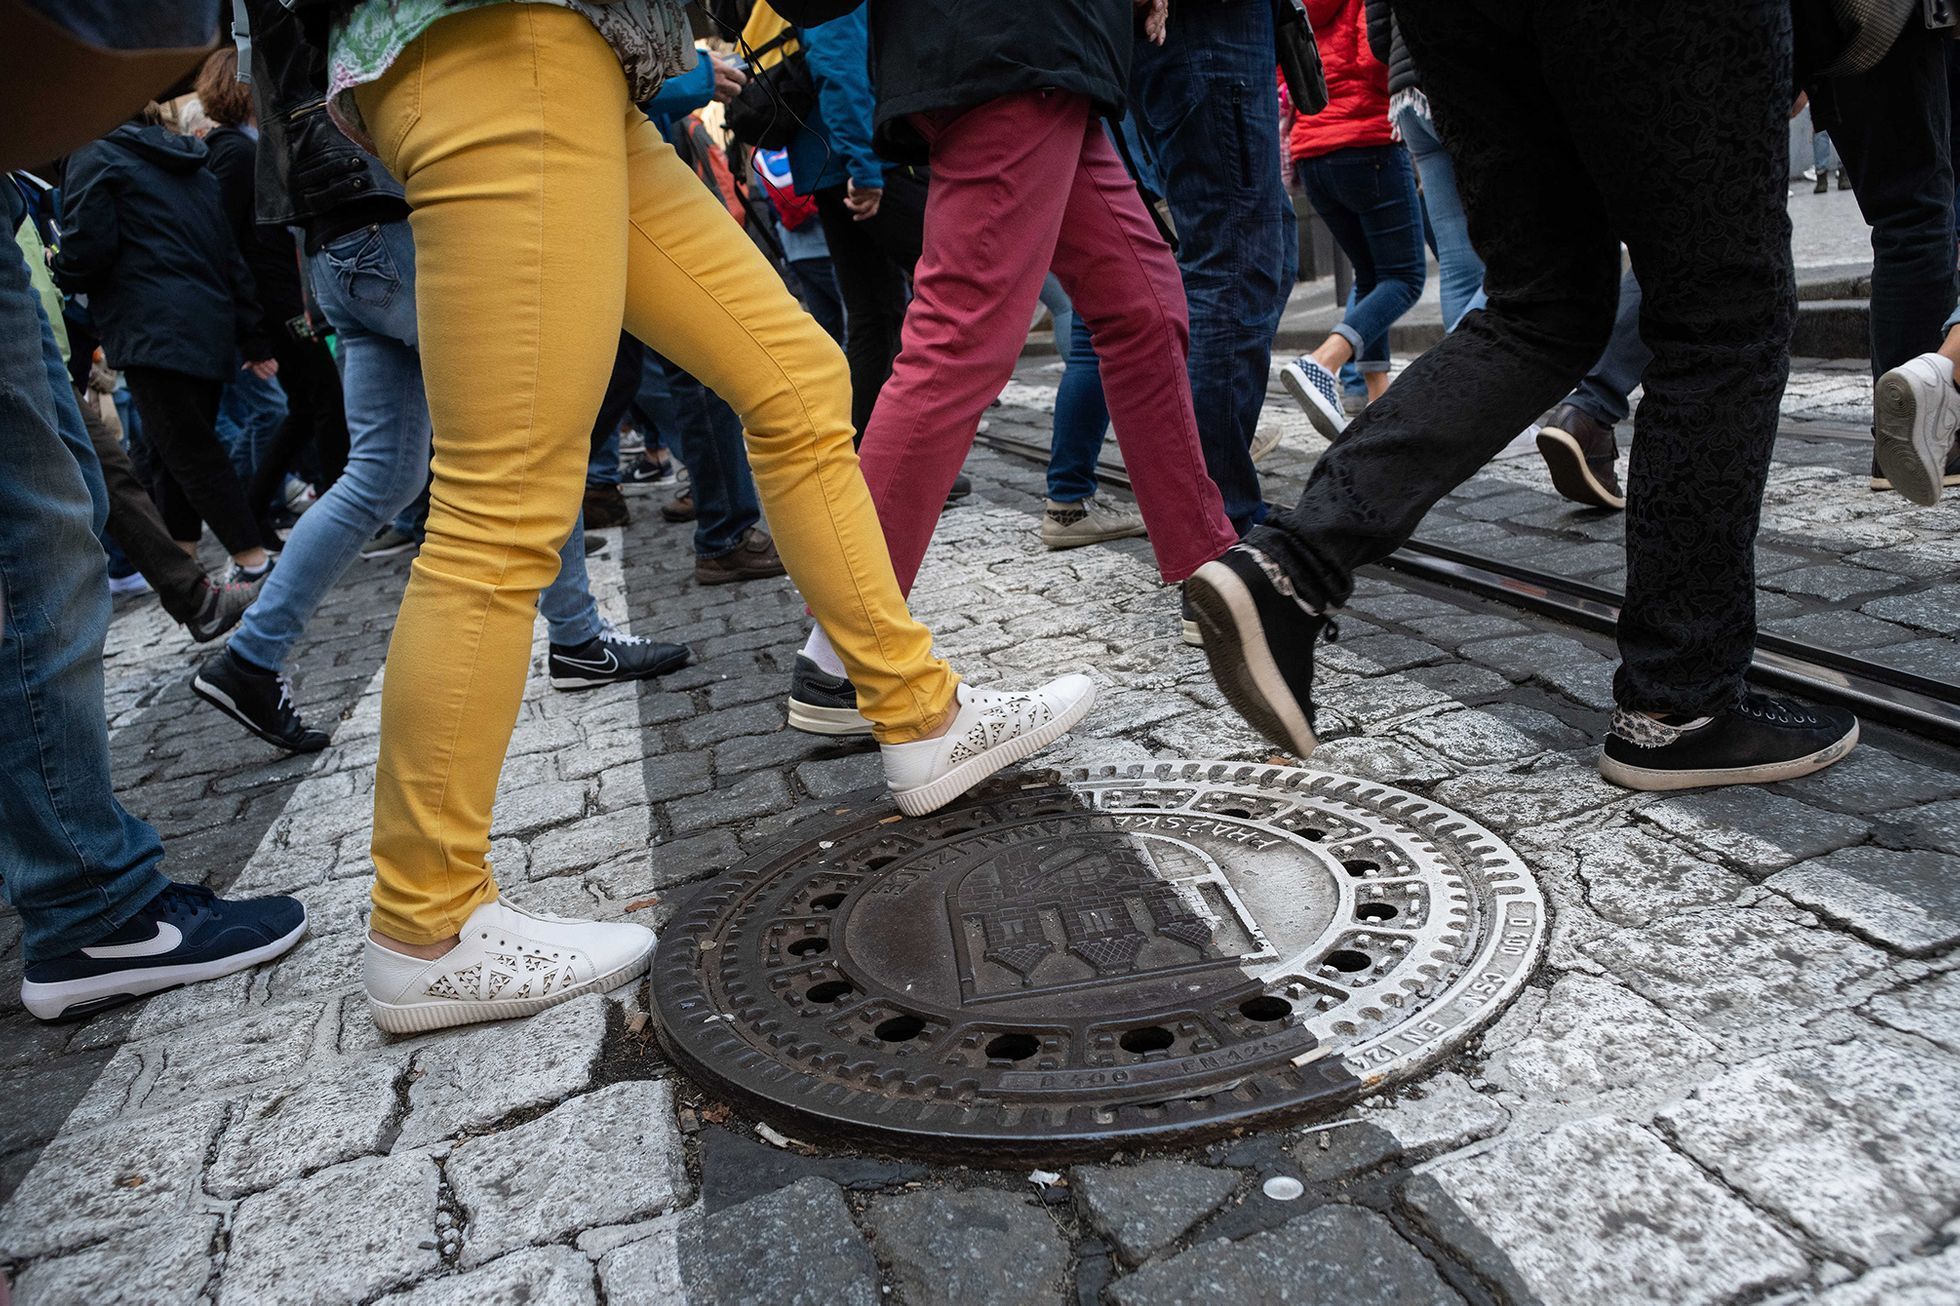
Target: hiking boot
610, 657
605, 505
183, 935
1758, 741
754, 558
823, 704
1915, 415
259, 700
222, 604
1583, 458
1318, 392
1259, 638
992, 730
1090, 521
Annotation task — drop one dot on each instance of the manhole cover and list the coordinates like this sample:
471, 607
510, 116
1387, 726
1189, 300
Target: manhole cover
1061, 964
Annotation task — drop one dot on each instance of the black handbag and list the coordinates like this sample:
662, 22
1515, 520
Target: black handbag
1299, 58
778, 99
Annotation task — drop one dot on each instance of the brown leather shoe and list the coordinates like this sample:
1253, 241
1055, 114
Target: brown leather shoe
753, 559
1582, 456
679, 508
605, 506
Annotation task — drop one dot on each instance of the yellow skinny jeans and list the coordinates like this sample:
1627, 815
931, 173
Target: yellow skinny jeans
547, 212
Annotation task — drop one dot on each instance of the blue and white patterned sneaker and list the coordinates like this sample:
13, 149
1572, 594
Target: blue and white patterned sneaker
185, 934
1318, 391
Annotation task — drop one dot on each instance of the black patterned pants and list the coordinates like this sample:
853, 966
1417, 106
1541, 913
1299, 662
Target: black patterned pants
1576, 125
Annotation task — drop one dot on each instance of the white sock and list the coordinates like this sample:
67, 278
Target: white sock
817, 648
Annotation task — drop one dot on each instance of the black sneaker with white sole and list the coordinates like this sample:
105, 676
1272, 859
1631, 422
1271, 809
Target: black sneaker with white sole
259, 700
1758, 741
823, 704
610, 657
1259, 636
185, 934
1188, 622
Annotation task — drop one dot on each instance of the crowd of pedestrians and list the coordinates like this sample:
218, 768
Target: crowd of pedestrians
418, 274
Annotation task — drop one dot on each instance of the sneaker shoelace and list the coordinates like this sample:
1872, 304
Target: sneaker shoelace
611, 634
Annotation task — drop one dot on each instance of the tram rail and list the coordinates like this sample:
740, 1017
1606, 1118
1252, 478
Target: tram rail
1917, 704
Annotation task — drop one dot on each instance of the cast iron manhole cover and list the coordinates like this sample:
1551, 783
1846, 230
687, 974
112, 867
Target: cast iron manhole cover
1060, 964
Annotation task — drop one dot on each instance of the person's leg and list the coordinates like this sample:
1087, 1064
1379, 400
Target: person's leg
1458, 268
873, 290
1892, 127
137, 528
1377, 186
571, 614
816, 286
365, 282
704, 299
1207, 102
708, 438
250, 415
76, 864
494, 120
1603, 394
179, 413
1081, 421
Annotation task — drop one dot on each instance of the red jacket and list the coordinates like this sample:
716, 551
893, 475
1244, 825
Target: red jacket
1357, 84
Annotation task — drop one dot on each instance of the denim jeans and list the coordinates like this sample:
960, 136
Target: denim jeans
249, 416
76, 865
1205, 102
1458, 268
602, 469
706, 436
1603, 393
1366, 194
1081, 419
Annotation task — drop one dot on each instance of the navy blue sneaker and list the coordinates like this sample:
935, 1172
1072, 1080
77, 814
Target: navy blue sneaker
186, 933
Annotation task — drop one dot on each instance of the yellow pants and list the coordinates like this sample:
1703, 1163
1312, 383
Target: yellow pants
547, 212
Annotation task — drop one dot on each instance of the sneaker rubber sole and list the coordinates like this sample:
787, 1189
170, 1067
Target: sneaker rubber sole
416, 1017
1661, 779
1063, 537
573, 684
1326, 419
217, 698
815, 720
76, 999
1898, 436
1242, 662
930, 797
1571, 477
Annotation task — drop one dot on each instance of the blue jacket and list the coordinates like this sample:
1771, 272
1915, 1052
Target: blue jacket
839, 56
682, 95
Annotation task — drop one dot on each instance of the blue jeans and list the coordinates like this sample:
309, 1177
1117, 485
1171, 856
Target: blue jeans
1081, 420
1457, 265
365, 282
1206, 104
1603, 393
706, 436
77, 866
1367, 197
249, 414
602, 468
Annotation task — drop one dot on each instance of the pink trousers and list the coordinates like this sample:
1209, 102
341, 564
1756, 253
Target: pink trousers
1020, 185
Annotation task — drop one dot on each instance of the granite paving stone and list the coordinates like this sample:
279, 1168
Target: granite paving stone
605, 1158
980, 1246
88, 1188
478, 1076
336, 1114
1872, 779
1337, 1253
1928, 1281
1929, 1008
1439, 1114
1754, 830
796, 1247
1590, 1036
1904, 900
1935, 659
535, 1276
345, 1233
1603, 1210
169, 1260
1144, 1208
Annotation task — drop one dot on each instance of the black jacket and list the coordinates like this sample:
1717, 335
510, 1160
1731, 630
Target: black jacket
310, 174
232, 156
144, 236
953, 54
1385, 39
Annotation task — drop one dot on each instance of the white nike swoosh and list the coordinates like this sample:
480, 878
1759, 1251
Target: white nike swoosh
167, 939
610, 664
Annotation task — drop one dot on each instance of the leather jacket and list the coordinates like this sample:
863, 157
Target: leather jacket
310, 175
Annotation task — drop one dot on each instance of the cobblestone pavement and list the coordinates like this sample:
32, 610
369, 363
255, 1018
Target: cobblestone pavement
1735, 1079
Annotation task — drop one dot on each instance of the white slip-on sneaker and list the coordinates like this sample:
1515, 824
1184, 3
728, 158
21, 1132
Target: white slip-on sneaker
509, 962
1916, 412
993, 730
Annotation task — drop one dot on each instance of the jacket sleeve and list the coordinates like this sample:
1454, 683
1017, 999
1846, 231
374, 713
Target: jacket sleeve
808, 13
1381, 30
89, 230
253, 341
1321, 14
683, 94
839, 54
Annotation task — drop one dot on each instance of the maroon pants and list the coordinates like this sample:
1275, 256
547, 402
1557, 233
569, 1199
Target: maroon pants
1019, 185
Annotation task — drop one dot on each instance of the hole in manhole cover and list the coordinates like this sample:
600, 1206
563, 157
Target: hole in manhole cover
1057, 966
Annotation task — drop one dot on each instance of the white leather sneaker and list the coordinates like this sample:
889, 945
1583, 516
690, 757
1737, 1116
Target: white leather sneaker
993, 730
509, 962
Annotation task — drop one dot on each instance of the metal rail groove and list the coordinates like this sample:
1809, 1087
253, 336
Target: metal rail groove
1919, 704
